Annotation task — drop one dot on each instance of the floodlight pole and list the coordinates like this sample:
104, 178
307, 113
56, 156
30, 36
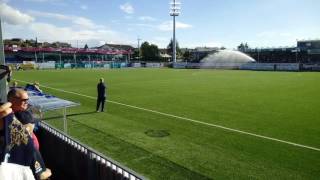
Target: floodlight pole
174, 39
297, 48
259, 55
60, 60
139, 48
175, 11
35, 55
75, 59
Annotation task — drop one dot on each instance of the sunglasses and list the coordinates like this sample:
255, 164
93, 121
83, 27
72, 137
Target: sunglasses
23, 100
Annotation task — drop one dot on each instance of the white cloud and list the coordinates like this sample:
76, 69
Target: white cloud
76, 20
50, 32
202, 44
127, 8
53, 2
84, 22
167, 26
37, 0
80, 29
84, 7
181, 25
161, 42
14, 16
43, 1
142, 25
286, 34
50, 15
100, 43
146, 18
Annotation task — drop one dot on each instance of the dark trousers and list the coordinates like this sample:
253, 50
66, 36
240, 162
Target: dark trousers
101, 101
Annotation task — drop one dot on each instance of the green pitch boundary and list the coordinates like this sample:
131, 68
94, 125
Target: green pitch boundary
186, 119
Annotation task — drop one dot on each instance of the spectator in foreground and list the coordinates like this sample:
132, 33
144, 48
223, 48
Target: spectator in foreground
101, 87
17, 149
19, 99
26, 118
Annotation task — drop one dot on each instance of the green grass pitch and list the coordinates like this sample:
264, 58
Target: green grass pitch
280, 105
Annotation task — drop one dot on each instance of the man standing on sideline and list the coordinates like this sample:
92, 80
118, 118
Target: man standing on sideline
101, 87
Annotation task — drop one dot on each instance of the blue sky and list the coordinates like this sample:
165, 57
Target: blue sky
210, 23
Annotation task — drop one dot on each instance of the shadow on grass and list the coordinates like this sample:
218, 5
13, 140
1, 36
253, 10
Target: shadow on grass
69, 115
152, 165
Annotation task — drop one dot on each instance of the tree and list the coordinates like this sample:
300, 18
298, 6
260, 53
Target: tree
187, 56
170, 48
243, 47
246, 46
135, 55
86, 46
149, 52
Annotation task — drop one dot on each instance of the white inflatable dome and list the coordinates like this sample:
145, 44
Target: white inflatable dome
227, 56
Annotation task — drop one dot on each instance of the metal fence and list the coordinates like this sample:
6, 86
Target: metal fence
69, 159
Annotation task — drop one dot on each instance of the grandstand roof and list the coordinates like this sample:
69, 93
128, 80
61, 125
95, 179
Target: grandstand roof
68, 50
115, 47
280, 48
309, 40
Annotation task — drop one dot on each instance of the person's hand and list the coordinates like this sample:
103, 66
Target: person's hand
5, 110
7, 68
45, 174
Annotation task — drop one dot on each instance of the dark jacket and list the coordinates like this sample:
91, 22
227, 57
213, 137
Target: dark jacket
21, 149
101, 87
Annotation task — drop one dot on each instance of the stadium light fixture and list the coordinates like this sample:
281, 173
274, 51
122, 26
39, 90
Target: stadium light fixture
139, 48
259, 49
174, 11
297, 50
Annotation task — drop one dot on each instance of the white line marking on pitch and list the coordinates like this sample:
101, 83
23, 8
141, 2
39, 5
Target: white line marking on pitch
187, 119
